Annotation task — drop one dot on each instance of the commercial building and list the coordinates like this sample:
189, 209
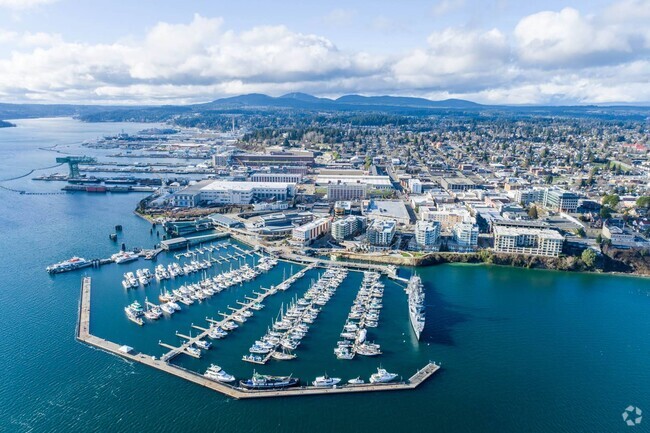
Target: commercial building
530, 241
380, 234
226, 192
288, 218
373, 182
465, 236
560, 200
346, 191
427, 234
448, 217
392, 210
347, 227
306, 233
276, 177
457, 183
528, 196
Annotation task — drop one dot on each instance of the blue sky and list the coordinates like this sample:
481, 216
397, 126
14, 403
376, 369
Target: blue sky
500, 51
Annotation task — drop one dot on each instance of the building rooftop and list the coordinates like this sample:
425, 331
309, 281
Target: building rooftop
516, 231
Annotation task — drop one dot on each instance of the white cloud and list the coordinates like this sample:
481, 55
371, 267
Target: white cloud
443, 7
340, 17
549, 57
569, 39
455, 57
23, 4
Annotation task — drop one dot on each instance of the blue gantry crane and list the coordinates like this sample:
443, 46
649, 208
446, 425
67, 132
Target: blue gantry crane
74, 161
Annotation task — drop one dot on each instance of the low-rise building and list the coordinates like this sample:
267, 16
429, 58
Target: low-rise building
276, 177
306, 233
227, 192
393, 210
525, 240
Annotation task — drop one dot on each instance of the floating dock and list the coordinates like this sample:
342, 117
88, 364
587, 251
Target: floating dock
84, 335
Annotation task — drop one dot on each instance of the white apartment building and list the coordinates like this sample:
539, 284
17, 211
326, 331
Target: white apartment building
415, 186
346, 227
380, 234
466, 235
427, 234
531, 241
306, 233
447, 217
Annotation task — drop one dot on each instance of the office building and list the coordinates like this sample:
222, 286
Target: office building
560, 200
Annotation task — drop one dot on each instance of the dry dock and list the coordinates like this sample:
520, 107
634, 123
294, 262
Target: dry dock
84, 335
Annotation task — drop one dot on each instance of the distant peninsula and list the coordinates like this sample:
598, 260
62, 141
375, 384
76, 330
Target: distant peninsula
5, 124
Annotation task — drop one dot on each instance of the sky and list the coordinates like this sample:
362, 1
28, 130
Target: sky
173, 51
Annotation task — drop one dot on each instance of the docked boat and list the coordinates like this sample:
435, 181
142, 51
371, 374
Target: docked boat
326, 381
124, 257
382, 376
217, 374
68, 265
283, 356
356, 381
416, 305
261, 381
194, 351
206, 345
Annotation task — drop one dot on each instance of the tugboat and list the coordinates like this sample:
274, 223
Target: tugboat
261, 381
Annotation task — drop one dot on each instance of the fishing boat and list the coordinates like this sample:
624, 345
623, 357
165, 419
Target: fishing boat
261, 381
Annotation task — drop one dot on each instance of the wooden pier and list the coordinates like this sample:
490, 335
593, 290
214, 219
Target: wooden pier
84, 335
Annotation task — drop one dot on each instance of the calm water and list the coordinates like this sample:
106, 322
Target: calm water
522, 350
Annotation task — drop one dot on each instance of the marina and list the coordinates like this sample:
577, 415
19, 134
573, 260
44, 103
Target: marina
84, 335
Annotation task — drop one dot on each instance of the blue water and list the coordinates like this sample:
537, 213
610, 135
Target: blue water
522, 350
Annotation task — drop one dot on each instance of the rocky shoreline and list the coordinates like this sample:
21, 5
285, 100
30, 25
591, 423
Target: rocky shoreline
611, 261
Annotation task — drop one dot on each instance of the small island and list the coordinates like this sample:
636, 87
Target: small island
5, 124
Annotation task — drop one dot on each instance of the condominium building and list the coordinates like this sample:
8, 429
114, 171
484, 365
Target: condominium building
380, 234
465, 235
306, 233
447, 217
531, 241
415, 186
427, 234
528, 196
347, 227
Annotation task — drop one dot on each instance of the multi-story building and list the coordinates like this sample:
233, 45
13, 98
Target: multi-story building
415, 186
531, 241
347, 227
380, 234
465, 236
276, 177
528, 196
306, 233
346, 191
560, 200
427, 234
226, 192
447, 217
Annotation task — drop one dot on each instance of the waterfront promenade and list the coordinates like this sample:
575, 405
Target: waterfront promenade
84, 335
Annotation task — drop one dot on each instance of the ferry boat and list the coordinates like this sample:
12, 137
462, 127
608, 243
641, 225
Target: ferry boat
416, 305
261, 381
382, 376
124, 257
68, 265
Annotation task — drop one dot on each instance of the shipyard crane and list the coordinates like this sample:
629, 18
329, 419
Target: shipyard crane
74, 161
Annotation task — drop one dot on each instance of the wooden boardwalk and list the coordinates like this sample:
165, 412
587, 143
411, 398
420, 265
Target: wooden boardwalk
84, 335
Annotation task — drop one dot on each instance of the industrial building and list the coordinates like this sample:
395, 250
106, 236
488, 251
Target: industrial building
227, 192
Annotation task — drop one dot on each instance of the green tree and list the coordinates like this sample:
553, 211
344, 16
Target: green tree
532, 212
588, 257
549, 179
643, 202
605, 212
599, 239
611, 200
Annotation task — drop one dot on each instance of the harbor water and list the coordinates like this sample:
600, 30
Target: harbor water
521, 350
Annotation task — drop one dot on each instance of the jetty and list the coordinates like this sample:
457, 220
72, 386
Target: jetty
84, 335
